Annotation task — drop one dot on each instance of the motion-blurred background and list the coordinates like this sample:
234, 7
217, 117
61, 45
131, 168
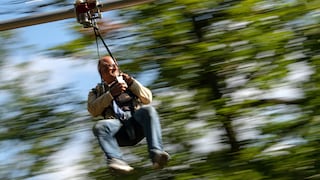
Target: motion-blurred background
235, 82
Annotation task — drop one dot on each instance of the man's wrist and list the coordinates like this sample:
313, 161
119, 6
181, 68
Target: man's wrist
130, 81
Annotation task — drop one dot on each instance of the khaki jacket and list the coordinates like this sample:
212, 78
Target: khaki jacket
100, 101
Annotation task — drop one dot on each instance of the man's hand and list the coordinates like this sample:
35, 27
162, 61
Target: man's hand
117, 89
127, 78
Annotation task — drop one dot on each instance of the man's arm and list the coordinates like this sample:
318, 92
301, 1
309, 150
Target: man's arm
96, 105
143, 93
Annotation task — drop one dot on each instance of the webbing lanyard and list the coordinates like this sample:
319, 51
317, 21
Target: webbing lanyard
98, 35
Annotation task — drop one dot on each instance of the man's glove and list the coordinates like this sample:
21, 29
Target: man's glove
127, 78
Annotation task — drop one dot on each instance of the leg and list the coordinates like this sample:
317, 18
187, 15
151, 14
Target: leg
148, 117
105, 131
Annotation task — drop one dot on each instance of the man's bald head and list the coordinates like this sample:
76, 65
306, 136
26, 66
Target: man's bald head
108, 69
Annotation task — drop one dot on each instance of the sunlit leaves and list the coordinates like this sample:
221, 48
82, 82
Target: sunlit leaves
39, 123
253, 40
224, 73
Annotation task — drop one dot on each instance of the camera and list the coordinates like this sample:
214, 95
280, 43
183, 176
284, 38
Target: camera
87, 11
121, 80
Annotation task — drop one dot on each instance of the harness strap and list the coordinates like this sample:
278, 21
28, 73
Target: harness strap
98, 35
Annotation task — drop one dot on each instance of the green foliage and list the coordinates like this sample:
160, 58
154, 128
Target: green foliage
5, 37
34, 127
199, 64
206, 54
249, 39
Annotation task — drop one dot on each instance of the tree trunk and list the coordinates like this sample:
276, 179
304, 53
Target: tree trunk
231, 135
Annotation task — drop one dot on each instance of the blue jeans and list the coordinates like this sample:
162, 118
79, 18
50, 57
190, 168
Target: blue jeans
106, 130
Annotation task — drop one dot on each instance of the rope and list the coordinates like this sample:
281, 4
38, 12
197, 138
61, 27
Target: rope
97, 44
98, 35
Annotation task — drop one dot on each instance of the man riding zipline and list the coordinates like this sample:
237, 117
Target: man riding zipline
121, 102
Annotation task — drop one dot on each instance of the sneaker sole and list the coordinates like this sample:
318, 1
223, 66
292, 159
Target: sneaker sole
120, 171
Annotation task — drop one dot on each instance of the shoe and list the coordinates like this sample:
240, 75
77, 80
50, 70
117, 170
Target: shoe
119, 166
160, 159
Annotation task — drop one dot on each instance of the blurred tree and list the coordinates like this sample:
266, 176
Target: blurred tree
205, 54
5, 38
34, 125
87, 38
213, 50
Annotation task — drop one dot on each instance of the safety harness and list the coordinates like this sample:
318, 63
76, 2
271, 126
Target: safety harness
87, 11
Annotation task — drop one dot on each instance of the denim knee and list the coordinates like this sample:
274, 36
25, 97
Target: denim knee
102, 127
149, 109
146, 113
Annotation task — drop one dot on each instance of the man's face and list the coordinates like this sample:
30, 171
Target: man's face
109, 69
